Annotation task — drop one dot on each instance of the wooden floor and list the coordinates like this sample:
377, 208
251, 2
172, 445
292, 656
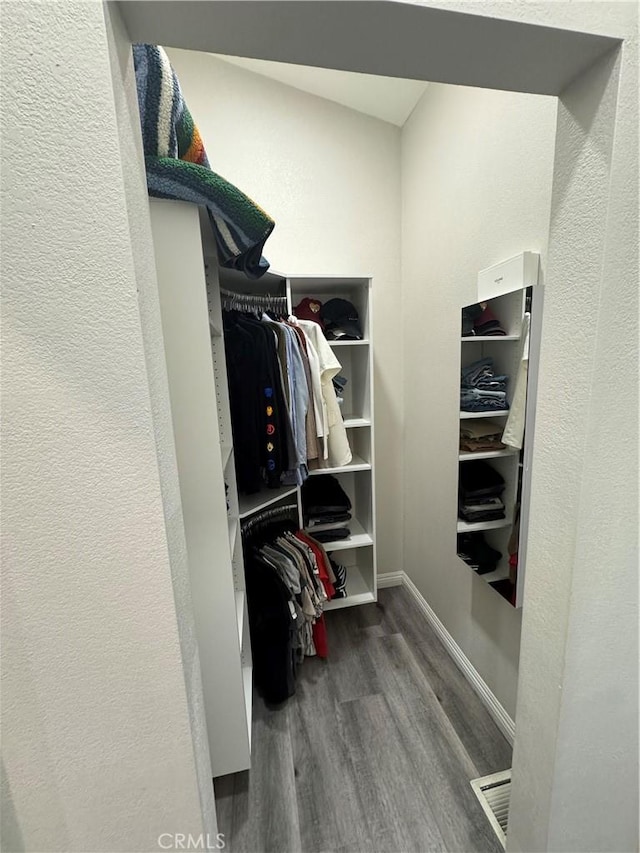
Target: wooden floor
373, 753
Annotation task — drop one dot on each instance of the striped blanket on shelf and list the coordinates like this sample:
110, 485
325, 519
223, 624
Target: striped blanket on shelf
178, 168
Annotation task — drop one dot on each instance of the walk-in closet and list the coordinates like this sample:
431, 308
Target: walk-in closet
353, 423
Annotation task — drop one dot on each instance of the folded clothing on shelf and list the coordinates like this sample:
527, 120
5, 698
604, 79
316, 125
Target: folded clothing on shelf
479, 479
328, 522
481, 389
479, 490
322, 495
480, 320
326, 507
480, 435
332, 534
488, 509
476, 553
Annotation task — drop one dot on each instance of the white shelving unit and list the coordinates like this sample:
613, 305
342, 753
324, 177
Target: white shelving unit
189, 288
196, 371
504, 286
358, 552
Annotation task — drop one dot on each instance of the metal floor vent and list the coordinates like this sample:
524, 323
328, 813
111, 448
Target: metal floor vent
494, 793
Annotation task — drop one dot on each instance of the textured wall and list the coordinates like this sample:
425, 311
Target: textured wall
476, 189
576, 757
330, 178
137, 199
93, 677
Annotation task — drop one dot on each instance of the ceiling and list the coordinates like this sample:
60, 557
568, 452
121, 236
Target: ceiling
388, 98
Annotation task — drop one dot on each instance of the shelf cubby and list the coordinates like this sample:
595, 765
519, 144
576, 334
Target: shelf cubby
361, 584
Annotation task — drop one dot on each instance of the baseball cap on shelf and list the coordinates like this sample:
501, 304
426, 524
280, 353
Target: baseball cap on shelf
341, 320
309, 309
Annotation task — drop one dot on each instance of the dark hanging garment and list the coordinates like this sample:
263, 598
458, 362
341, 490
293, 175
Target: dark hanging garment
273, 631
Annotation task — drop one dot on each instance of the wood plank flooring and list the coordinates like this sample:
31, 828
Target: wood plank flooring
375, 751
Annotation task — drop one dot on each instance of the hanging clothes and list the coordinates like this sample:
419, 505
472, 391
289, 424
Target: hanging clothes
514, 428
288, 579
285, 415
337, 451
259, 414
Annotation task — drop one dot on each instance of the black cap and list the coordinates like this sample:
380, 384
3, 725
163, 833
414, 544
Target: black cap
341, 320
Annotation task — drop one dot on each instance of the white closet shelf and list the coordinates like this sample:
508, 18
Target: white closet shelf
240, 599
232, 522
249, 504
363, 343
465, 527
502, 413
214, 330
358, 591
498, 575
356, 464
359, 539
247, 681
225, 452
489, 338
353, 421
487, 454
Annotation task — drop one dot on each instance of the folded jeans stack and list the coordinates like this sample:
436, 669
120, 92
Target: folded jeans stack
478, 436
479, 490
481, 389
326, 508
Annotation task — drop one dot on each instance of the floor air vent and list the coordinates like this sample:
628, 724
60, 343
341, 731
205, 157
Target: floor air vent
494, 793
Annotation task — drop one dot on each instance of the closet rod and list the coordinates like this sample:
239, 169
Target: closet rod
252, 301
280, 512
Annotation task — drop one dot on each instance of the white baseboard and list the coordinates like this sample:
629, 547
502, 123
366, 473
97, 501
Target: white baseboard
390, 579
486, 695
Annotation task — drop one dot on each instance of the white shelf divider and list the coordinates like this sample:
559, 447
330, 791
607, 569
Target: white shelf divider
499, 414
359, 538
465, 527
240, 605
356, 464
487, 454
485, 339
250, 504
353, 421
363, 343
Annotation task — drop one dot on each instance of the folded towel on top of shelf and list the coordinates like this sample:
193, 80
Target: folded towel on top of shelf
178, 168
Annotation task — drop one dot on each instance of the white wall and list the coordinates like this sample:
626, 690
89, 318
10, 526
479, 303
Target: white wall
329, 176
98, 732
476, 169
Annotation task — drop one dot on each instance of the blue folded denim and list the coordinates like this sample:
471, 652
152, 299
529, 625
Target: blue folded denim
484, 406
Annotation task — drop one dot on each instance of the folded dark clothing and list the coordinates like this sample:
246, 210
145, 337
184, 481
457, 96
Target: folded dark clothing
332, 535
322, 495
478, 478
477, 517
492, 385
487, 323
486, 405
474, 550
472, 503
328, 518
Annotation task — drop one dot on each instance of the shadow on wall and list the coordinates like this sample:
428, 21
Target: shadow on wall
11, 840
